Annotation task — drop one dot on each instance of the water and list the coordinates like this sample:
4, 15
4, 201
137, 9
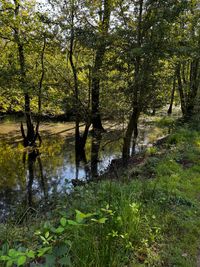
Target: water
29, 178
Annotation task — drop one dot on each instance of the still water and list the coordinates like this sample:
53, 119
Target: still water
30, 177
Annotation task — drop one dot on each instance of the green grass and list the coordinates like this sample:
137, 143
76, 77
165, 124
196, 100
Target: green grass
149, 218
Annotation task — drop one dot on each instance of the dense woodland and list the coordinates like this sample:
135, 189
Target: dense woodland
96, 60
93, 62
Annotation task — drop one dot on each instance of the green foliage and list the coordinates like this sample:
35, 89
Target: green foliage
165, 121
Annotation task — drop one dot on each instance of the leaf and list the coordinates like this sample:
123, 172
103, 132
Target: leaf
63, 221
107, 211
44, 240
4, 258
42, 251
80, 216
30, 254
13, 253
21, 260
102, 220
59, 230
46, 235
38, 232
71, 222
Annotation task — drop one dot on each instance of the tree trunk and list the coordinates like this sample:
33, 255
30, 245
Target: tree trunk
96, 117
100, 52
169, 112
40, 90
30, 128
133, 122
80, 141
194, 84
180, 89
83, 138
76, 89
30, 137
132, 127
135, 135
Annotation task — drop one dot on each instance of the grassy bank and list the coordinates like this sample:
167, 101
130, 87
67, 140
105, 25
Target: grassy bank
149, 217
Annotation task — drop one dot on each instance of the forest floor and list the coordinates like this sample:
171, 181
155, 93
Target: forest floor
145, 214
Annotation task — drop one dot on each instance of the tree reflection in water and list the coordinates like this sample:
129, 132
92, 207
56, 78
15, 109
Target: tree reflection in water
33, 157
96, 142
91, 170
48, 171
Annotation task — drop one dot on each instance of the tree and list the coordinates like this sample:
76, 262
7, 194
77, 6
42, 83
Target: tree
146, 35
102, 40
19, 26
187, 60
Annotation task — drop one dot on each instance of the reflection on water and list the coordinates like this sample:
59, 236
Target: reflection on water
29, 177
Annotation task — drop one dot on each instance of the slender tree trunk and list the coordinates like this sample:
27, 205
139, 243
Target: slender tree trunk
96, 117
40, 90
133, 121
29, 138
76, 89
80, 141
100, 52
30, 128
180, 89
135, 135
194, 84
132, 127
83, 138
169, 112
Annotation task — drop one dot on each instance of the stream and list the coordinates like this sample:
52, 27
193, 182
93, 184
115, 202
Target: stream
28, 177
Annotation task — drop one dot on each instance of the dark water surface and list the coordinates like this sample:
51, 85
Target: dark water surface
30, 177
